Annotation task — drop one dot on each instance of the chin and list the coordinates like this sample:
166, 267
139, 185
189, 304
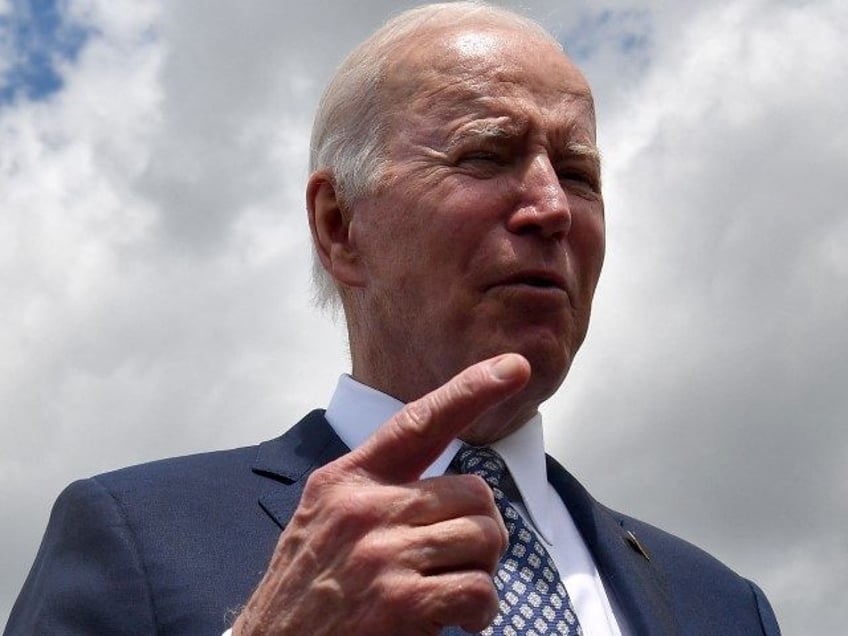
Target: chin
543, 385
548, 353
548, 370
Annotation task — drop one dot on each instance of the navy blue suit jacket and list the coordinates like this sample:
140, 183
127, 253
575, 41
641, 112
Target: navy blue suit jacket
176, 546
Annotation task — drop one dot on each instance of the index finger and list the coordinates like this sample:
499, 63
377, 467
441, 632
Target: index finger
404, 446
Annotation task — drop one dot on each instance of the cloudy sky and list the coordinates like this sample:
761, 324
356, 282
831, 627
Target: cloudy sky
154, 267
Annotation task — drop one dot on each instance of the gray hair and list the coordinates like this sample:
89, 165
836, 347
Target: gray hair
351, 124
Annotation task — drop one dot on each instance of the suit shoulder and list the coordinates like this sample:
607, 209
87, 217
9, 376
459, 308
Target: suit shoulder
698, 579
185, 467
675, 550
228, 467
699, 589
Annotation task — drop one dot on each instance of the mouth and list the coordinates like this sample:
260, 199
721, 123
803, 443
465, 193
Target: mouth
541, 280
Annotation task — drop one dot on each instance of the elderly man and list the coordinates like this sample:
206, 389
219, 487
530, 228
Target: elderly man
456, 210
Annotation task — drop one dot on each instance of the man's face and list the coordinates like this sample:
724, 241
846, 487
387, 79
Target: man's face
488, 235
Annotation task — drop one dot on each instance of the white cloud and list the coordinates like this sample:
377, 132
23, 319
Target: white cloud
69, 215
709, 398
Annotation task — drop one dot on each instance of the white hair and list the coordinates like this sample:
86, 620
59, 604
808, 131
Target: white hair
352, 120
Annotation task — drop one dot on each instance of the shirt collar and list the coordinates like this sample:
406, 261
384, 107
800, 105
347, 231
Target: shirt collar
357, 410
524, 454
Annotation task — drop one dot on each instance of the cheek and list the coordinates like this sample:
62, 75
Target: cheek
406, 259
435, 238
387, 236
471, 210
588, 240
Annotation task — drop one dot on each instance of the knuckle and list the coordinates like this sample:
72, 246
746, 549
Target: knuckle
464, 384
485, 535
418, 413
413, 420
342, 512
320, 480
356, 509
463, 387
478, 600
477, 488
370, 557
491, 536
460, 389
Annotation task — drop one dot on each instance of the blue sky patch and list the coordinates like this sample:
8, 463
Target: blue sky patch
627, 33
36, 35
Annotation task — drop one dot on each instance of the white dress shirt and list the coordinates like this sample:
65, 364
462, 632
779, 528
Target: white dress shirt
357, 410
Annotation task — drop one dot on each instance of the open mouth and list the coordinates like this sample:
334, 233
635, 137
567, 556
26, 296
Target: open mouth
538, 281
545, 288
541, 279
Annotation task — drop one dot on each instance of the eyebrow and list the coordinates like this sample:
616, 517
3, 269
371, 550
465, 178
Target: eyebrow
504, 127
584, 150
485, 129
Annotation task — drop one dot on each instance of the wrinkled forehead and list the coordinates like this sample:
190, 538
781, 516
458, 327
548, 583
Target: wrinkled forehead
478, 71
458, 64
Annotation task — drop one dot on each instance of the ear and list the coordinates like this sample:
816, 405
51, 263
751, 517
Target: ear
329, 222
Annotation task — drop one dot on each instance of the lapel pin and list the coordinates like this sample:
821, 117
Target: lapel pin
636, 545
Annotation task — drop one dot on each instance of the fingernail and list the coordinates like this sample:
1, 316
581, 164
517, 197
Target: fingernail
506, 367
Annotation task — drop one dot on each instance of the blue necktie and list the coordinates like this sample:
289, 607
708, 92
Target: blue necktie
533, 600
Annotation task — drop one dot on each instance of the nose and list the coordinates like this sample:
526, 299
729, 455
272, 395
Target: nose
542, 206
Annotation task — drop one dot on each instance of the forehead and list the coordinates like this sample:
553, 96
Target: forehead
480, 72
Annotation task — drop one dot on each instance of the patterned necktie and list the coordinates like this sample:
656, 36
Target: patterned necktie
533, 600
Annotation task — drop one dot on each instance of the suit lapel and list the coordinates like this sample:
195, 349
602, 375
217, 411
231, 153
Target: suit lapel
638, 586
291, 458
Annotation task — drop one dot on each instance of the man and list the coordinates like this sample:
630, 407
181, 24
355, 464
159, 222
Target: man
456, 210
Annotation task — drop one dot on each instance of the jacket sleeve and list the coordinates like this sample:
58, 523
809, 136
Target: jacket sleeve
767, 617
88, 576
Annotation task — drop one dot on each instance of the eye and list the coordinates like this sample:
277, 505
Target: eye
482, 156
572, 175
580, 180
483, 163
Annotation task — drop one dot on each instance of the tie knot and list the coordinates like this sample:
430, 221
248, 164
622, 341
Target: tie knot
484, 462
